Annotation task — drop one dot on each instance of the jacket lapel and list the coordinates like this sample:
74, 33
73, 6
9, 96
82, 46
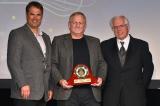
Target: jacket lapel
68, 45
33, 38
114, 53
129, 51
91, 51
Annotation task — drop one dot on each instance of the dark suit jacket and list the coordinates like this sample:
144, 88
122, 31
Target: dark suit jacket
62, 63
26, 63
137, 71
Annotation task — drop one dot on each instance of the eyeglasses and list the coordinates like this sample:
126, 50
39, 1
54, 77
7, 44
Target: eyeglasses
120, 26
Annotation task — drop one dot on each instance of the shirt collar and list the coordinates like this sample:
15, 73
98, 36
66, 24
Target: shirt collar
126, 42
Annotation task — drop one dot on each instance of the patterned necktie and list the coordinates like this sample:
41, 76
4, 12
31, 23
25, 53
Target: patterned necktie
122, 54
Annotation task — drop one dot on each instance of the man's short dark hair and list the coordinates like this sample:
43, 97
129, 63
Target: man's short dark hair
34, 4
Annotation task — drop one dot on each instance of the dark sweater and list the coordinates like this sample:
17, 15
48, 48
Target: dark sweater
80, 52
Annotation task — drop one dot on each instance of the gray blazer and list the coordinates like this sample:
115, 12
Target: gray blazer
27, 63
62, 63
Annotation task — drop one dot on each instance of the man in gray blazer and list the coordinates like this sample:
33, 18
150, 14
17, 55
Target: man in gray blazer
29, 60
68, 51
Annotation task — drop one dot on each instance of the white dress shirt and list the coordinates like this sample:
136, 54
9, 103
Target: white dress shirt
41, 42
126, 42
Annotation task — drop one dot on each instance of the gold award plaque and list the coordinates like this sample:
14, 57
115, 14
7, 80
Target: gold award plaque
81, 74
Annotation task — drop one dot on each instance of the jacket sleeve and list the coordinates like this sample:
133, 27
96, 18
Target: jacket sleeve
148, 66
102, 65
56, 75
14, 52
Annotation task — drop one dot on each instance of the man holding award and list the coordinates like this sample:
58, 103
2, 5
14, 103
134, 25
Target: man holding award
78, 67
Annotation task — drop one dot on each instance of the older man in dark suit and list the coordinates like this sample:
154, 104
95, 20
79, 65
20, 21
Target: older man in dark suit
130, 67
70, 50
29, 60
